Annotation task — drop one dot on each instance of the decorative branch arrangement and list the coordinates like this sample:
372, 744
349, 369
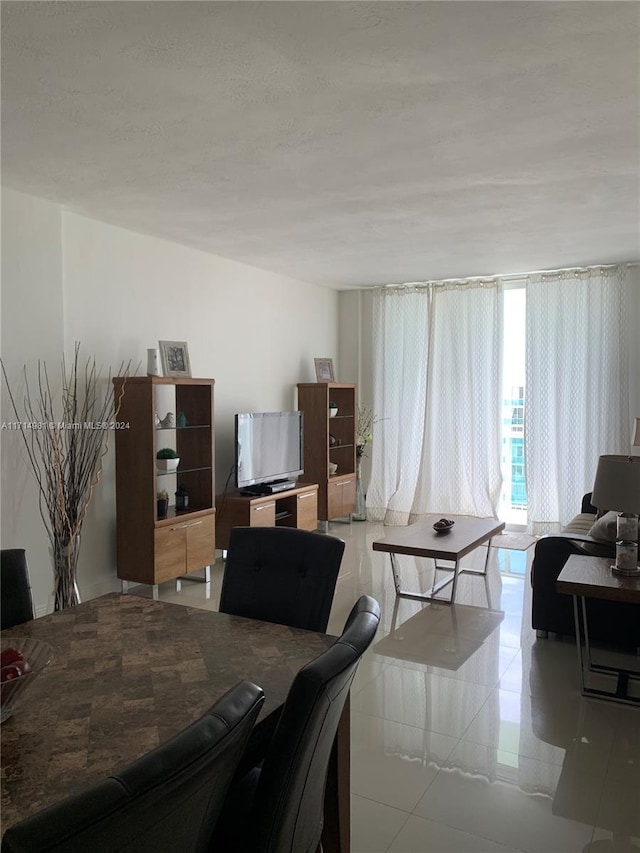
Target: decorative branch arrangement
364, 429
66, 439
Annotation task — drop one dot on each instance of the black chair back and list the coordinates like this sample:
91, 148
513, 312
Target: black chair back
167, 801
16, 603
279, 808
281, 574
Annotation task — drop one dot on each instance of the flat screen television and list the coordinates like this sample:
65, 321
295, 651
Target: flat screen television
269, 448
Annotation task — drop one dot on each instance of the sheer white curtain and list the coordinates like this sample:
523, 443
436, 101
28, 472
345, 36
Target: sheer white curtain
438, 384
401, 318
577, 386
461, 457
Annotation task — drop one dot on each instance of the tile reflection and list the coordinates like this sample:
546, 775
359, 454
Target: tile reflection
444, 637
420, 699
394, 763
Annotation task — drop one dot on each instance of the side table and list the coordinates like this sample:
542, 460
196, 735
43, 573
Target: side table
591, 577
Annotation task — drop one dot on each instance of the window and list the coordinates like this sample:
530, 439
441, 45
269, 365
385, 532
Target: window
513, 502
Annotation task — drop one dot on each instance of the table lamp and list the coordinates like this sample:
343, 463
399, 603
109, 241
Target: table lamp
617, 487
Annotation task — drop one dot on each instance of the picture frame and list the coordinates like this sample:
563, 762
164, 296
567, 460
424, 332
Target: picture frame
324, 370
175, 358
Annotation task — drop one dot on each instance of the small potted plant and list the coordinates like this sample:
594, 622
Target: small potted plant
163, 503
333, 409
167, 459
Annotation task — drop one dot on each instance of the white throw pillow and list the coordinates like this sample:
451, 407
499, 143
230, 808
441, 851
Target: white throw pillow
605, 528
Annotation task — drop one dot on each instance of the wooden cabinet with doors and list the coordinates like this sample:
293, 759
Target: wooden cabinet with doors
151, 550
330, 445
297, 507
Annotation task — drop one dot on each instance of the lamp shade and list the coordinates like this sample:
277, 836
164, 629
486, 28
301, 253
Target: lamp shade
636, 434
617, 484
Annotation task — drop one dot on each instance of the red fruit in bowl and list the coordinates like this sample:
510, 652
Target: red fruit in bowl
14, 670
10, 655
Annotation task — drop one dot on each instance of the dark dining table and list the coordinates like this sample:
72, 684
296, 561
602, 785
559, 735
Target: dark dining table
127, 674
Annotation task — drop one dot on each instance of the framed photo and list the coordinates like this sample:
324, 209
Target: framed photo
324, 370
175, 358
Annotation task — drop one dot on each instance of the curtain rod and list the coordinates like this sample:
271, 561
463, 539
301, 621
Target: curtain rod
512, 277
559, 271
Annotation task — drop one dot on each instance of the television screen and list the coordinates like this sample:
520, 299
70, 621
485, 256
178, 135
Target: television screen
268, 447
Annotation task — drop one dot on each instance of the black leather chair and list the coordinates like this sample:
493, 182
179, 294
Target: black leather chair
16, 603
281, 574
167, 801
278, 806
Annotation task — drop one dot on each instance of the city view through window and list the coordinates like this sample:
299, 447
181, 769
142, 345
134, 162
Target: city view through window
513, 501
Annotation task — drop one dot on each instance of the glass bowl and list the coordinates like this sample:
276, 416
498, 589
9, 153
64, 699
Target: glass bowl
37, 654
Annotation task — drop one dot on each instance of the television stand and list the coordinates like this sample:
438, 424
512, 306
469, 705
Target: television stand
294, 507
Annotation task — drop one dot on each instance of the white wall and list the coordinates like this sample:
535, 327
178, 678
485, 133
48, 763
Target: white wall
32, 329
118, 293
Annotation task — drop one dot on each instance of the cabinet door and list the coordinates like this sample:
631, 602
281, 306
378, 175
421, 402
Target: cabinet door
348, 496
170, 553
200, 543
334, 499
263, 515
307, 510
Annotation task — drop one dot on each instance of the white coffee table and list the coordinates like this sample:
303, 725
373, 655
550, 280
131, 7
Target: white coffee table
421, 540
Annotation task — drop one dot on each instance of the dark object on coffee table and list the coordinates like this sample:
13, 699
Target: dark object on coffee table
444, 525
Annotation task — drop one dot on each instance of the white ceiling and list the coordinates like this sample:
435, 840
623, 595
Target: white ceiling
343, 143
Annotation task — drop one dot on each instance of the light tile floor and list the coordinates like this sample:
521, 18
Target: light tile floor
468, 734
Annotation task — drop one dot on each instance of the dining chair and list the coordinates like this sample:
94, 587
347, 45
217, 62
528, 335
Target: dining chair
281, 574
166, 801
16, 603
278, 806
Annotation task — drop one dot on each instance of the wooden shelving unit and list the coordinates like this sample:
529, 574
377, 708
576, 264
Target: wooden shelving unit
152, 550
330, 440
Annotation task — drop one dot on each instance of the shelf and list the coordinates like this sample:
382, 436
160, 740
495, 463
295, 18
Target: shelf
184, 540
178, 429
336, 493
180, 471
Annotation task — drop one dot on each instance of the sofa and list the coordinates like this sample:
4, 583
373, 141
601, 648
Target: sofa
609, 622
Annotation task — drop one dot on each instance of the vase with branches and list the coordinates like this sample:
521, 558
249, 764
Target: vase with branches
66, 435
364, 436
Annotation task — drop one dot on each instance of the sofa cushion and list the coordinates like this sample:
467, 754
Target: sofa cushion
582, 523
605, 528
580, 526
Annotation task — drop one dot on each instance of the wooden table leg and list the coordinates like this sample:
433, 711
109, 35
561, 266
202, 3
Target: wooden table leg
336, 834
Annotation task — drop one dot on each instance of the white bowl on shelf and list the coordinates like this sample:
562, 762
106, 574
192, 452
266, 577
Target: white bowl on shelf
333, 411
332, 468
166, 466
